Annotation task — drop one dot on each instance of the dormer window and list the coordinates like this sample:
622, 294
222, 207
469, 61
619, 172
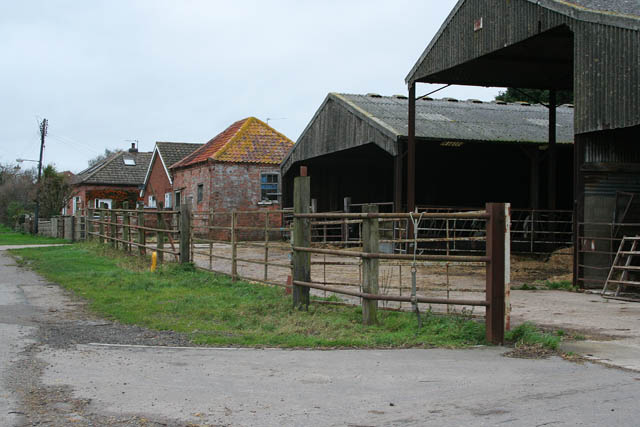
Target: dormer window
128, 161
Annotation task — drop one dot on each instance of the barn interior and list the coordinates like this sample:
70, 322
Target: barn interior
448, 173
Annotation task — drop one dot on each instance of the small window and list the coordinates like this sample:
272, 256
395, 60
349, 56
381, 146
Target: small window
128, 161
167, 200
269, 186
200, 192
103, 203
151, 202
177, 198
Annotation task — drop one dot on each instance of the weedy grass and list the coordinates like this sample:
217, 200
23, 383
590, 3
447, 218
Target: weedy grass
10, 237
215, 311
527, 334
562, 285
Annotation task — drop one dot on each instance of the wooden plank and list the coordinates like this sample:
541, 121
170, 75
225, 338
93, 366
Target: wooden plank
234, 246
113, 229
101, 226
141, 233
495, 289
370, 266
185, 233
266, 245
301, 238
160, 237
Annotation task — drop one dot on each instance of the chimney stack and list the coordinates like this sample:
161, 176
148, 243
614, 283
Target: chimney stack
133, 148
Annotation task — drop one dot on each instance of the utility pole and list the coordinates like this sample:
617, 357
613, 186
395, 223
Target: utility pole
43, 133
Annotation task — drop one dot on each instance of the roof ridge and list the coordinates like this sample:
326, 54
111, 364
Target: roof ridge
236, 135
106, 161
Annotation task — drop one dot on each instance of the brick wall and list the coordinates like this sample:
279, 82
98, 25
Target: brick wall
227, 187
158, 184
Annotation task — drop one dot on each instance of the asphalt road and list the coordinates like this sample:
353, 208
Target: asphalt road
61, 366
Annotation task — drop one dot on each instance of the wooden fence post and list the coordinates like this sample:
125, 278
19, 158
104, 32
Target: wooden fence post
234, 246
160, 237
142, 238
345, 226
370, 244
266, 245
185, 233
495, 273
101, 226
301, 238
113, 229
88, 225
126, 232
210, 236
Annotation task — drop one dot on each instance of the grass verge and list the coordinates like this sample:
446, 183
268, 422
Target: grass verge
527, 334
9, 237
213, 310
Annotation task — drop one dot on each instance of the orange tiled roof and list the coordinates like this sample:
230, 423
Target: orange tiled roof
246, 141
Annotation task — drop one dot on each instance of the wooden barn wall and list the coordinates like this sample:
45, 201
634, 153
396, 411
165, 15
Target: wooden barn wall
335, 128
606, 57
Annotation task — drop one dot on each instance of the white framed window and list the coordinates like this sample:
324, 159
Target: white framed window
99, 203
75, 205
167, 200
151, 202
269, 186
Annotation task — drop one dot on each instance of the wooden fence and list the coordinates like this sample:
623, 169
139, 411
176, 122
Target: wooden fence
163, 231
228, 237
260, 246
495, 258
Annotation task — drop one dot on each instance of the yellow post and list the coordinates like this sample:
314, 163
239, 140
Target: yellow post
154, 261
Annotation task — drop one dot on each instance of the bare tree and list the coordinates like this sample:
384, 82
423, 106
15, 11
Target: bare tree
107, 152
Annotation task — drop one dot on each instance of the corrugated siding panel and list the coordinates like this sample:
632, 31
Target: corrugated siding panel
607, 148
608, 184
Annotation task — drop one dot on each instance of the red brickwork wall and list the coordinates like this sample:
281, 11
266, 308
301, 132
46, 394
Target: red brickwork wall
227, 187
158, 184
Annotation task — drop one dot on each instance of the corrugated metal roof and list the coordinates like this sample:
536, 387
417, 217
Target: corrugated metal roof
464, 120
246, 141
627, 7
114, 171
346, 121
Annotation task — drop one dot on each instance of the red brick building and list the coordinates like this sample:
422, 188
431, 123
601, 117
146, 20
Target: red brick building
158, 182
110, 182
237, 169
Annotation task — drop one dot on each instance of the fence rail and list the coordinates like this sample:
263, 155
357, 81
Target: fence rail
370, 233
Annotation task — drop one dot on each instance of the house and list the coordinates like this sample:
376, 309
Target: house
468, 152
588, 46
158, 182
237, 169
110, 182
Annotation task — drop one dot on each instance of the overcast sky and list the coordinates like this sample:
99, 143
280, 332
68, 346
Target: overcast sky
103, 72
